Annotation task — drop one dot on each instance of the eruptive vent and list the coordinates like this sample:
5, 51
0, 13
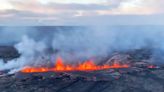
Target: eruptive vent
88, 65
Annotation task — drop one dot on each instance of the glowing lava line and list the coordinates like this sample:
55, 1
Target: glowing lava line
60, 66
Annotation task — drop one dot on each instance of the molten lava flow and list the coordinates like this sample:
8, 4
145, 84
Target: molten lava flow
60, 66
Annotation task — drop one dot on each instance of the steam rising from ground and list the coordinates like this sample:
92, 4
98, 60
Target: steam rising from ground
78, 43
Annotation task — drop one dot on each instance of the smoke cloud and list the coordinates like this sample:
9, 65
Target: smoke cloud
39, 45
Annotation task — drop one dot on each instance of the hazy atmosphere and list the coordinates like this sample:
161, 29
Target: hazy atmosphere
81, 45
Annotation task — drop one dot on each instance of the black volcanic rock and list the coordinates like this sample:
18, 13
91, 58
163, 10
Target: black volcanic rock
143, 81
137, 78
8, 53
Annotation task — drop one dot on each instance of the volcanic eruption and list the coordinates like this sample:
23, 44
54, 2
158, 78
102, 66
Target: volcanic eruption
88, 65
84, 61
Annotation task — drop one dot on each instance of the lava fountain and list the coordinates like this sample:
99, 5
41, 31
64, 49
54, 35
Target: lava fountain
88, 65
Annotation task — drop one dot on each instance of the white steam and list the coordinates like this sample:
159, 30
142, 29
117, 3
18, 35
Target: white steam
83, 43
29, 49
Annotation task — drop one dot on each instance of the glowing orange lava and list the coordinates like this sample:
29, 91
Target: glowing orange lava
60, 66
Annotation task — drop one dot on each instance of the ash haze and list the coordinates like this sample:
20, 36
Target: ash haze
81, 12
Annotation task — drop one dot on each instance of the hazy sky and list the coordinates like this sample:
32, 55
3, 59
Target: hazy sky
75, 12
